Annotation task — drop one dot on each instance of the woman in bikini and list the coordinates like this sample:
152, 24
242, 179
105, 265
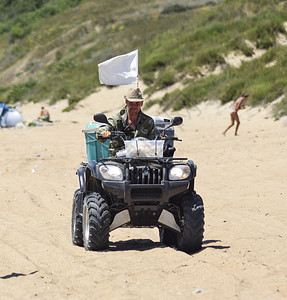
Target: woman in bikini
239, 104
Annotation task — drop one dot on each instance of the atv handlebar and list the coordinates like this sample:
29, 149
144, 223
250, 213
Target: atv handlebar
119, 134
170, 138
114, 135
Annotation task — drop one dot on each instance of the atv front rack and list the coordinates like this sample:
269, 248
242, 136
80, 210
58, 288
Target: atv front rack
152, 159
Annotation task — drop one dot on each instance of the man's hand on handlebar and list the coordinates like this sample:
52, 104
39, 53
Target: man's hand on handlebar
112, 135
106, 134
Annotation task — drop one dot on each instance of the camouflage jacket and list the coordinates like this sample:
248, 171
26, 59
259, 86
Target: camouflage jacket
145, 128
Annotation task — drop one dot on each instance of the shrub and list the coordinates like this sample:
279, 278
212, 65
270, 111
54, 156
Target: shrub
210, 57
174, 9
233, 90
265, 42
165, 79
59, 55
16, 32
239, 44
147, 77
65, 65
157, 60
4, 27
62, 93
48, 11
280, 109
31, 66
266, 28
73, 100
209, 32
18, 91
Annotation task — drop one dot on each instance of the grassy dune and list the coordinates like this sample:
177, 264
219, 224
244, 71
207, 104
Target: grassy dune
51, 49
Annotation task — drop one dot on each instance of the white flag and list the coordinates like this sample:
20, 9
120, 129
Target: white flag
120, 70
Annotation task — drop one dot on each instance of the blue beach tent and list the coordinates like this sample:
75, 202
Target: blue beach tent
9, 117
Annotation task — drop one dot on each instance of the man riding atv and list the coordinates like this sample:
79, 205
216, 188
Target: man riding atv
139, 185
130, 120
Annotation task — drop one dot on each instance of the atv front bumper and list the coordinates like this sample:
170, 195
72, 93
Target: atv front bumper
132, 193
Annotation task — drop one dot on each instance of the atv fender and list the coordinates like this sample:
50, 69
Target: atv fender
193, 167
81, 172
84, 174
92, 166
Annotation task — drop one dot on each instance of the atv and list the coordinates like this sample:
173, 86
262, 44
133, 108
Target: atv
143, 186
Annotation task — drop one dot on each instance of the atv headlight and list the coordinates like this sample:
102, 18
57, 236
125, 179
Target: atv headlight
111, 172
179, 172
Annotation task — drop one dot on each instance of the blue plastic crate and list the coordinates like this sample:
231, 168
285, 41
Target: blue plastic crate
95, 150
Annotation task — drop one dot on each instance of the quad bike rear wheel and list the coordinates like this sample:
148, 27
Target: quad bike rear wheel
191, 236
77, 221
96, 222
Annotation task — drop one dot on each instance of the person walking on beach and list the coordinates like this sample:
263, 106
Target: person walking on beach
239, 104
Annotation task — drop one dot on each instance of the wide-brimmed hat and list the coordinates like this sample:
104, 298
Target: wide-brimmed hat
134, 95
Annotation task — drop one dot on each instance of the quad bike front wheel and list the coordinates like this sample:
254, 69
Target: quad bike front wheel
77, 220
167, 236
96, 222
191, 236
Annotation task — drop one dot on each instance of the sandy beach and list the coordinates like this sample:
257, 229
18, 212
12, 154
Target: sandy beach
242, 180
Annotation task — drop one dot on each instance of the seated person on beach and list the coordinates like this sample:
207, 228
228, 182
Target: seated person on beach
131, 120
44, 115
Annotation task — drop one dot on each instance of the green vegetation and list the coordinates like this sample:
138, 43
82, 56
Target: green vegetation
18, 91
280, 109
264, 84
53, 48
